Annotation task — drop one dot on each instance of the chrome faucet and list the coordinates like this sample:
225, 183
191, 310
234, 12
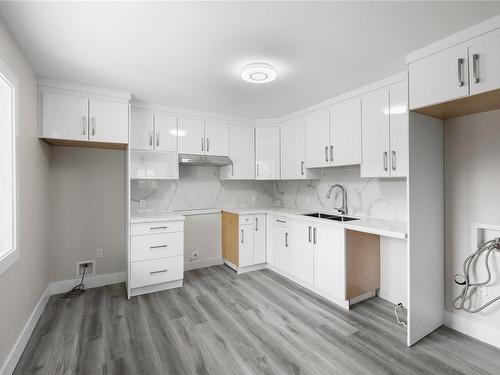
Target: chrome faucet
343, 209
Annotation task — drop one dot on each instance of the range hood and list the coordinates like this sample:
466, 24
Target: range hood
204, 160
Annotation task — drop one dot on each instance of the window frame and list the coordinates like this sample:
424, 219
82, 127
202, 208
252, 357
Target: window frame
8, 258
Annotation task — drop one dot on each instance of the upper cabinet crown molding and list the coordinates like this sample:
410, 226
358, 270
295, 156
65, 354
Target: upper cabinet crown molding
50, 85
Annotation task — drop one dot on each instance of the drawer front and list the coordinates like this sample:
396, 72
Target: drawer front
156, 246
156, 227
149, 272
246, 219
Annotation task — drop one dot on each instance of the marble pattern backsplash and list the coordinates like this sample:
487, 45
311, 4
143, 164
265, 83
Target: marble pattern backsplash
383, 198
201, 188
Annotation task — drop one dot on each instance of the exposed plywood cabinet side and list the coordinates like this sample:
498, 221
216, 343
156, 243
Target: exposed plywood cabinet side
363, 263
230, 237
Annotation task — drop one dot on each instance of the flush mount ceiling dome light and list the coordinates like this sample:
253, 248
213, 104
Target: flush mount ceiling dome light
258, 73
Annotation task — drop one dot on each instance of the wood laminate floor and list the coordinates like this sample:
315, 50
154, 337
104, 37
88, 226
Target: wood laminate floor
220, 323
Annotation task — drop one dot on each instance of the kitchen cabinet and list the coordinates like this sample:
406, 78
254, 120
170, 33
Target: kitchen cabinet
203, 137
281, 245
153, 165
241, 153
165, 133
216, 138
385, 132
267, 153
484, 60
302, 257
333, 135
329, 260
293, 151
82, 118
244, 241
152, 132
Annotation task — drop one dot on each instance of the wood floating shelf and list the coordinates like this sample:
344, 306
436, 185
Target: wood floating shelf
469, 105
86, 144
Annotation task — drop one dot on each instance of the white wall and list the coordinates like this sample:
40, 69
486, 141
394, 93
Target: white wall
472, 186
87, 210
23, 284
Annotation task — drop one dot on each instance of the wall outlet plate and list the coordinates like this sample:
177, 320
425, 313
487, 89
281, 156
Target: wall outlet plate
90, 271
99, 253
194, 255
142, 203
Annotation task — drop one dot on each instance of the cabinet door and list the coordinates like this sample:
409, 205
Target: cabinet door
108, 121
282, 249
293, 150
329, 260
317, 130
141, 130
302, 251
241, 153
267, 153
64, 116
375, 134
345, 132
165, 133
191, 136
216, 138
484, 63
246, 245
398, 120
259, 239
439, 78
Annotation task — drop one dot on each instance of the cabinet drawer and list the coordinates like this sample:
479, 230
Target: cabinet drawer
156, 227
246, 219
149, 272
156, 246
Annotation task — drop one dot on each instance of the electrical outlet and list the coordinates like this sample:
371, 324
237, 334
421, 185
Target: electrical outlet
99, 253
142, 203
89, 270
194, 255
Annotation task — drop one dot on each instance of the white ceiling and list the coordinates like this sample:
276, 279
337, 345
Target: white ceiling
189, 55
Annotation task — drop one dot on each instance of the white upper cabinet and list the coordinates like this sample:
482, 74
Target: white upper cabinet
241, 153
141, 130
345, 132
293, 153
108, 121
375, 131
267, 153
317, 135
165, 133
484, 63
439, 78
385, 132
64, 116
216, 138
191, 133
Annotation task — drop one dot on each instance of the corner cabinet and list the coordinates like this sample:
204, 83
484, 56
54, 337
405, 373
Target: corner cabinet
267, 152
241, 153
244, 241
385, 132
75, 115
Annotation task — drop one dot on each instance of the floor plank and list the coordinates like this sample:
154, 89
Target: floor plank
222, 323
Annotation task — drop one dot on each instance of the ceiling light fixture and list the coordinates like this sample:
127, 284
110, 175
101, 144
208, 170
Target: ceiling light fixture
258, 73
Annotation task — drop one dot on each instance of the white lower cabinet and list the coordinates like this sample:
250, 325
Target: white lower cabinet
302, 251
156, 256
243, 241
281, 245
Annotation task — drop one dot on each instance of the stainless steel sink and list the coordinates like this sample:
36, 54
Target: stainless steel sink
331, 217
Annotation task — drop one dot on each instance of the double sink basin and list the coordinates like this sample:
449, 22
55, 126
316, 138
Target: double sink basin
340, 218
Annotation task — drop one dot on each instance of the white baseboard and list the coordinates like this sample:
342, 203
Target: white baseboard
96, 281
14, 355
202, 263
472, 328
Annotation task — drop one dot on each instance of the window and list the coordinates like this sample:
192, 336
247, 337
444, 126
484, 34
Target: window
8, 117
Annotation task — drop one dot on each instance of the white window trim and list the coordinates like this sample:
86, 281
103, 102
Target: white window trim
12, 256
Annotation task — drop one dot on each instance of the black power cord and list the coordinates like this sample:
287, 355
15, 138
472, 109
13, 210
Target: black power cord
79, 289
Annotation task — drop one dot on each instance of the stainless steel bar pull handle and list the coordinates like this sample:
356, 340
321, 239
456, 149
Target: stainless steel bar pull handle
393, 161
257, 169
385, 160
286, 239
208, 144
154, 228
242, 235
331, 153
315, 234
158, 246
202, 144
256, 224
475, 67
310, 235
84, 126
302, 168
460, 64
156, 272
326, 153
93, 126
157, 139
151, 138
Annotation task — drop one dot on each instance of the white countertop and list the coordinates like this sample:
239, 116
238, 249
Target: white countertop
155, 216
382, 227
